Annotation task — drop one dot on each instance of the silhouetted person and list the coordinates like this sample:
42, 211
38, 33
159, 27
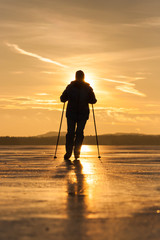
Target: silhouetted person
78, 94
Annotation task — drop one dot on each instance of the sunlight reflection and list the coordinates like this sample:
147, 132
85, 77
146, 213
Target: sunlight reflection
85, 148
87, 168
72, 184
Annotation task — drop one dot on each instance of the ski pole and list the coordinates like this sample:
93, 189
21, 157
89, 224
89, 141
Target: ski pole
96, 132
59, 130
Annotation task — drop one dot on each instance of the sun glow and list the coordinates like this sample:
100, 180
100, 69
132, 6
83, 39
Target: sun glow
85, 148
89, 78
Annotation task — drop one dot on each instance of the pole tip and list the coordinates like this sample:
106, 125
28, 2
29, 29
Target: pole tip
55, 157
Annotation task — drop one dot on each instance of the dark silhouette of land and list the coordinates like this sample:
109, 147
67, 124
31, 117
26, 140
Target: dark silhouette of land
106, 139
51, 134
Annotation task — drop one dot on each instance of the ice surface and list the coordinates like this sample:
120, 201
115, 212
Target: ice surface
46, 198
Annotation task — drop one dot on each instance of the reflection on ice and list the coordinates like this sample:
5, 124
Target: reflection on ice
85, 148
79, 201
123, 184
76, 181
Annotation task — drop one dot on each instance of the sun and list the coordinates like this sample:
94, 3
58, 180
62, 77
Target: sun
89, 78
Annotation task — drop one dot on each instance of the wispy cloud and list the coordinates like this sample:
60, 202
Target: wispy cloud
152, 105
154, 57
116, 81
47, 72
126, 115
9, 102
131, 78
117, 109
17, 72
42, 94
130, 89
126, 87
43, 59
148, 22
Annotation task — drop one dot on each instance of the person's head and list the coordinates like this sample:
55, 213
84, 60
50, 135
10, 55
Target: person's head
80, 75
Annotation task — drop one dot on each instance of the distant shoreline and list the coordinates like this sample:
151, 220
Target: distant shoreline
106, 139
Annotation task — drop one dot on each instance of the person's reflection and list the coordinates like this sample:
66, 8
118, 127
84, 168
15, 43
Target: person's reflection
76, 203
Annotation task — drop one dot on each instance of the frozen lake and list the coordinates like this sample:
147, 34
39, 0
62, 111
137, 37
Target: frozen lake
117, 198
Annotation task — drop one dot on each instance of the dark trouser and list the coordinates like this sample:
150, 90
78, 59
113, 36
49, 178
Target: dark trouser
74, 136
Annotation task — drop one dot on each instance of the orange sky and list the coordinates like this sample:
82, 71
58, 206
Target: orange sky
116, 44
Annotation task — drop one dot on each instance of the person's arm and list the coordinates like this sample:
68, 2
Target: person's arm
64, 96
92, 99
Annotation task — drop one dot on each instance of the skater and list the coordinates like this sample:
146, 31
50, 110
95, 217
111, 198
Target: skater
78, 94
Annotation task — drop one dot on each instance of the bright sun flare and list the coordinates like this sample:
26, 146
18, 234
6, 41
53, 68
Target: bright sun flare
89, 79
85, 148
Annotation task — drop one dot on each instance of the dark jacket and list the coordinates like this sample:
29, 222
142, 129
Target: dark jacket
79, 95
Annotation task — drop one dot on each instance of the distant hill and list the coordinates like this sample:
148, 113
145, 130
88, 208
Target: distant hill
106, 139
51, 134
